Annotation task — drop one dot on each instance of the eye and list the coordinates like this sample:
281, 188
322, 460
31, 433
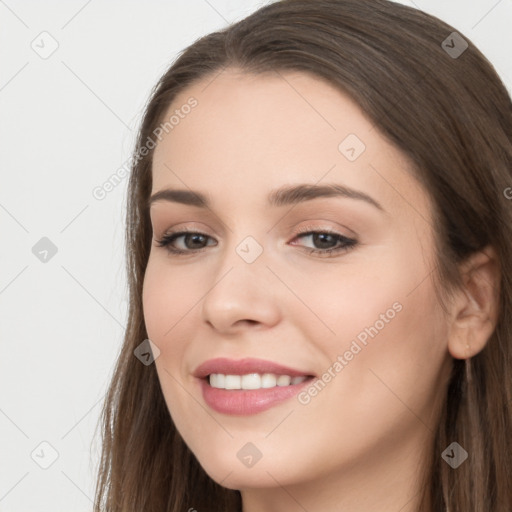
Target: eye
329, 241
194, 241
195, 238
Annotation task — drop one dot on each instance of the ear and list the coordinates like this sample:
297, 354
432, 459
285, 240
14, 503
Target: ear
476, 306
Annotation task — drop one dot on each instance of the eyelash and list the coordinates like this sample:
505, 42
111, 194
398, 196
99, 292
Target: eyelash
348, 243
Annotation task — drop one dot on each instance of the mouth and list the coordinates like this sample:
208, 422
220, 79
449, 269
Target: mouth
253, 380
248, 386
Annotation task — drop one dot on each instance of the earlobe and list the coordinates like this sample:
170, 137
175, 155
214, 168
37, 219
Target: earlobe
476, 309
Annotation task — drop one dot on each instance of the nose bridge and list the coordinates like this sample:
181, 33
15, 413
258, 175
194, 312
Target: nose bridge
240, 289
242, 267
249, 249
245, 241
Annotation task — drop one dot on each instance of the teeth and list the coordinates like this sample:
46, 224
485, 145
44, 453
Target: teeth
233, 382
284, 380
217, 380
252, 380
268, 380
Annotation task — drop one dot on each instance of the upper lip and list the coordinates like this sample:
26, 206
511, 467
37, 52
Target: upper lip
243, 366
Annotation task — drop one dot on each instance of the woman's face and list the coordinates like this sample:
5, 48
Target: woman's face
361, 324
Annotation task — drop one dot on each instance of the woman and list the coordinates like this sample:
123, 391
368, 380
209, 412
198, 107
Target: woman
319, 242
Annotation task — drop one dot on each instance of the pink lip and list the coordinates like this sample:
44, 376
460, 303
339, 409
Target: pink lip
246, 401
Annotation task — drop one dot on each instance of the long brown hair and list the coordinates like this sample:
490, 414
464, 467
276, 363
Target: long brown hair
451, 115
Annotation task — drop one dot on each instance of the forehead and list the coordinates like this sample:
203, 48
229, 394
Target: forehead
252, 133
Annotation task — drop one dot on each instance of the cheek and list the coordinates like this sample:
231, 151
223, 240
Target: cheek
352, 302
168, 296
392, 345
389, 331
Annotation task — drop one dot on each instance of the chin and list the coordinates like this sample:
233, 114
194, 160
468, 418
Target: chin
228, 471
243, 478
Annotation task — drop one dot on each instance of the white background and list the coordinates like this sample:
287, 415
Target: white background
67, 124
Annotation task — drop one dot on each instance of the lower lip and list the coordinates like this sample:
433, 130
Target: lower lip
247, 401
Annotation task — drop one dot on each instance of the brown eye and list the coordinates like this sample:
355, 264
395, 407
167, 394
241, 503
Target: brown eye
193, 241
325, 242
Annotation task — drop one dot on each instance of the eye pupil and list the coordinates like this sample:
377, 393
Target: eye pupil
319, 239
194, 236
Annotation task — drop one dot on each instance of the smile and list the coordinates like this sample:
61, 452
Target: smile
248, 386
253, 380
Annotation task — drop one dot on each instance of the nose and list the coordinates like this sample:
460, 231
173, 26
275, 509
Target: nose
242, 295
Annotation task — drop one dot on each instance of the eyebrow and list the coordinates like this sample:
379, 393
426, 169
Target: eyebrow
283, 196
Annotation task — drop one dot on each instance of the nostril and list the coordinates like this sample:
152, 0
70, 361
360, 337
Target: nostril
248, 321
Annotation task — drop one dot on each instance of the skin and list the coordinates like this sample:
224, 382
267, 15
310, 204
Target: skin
361, 443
